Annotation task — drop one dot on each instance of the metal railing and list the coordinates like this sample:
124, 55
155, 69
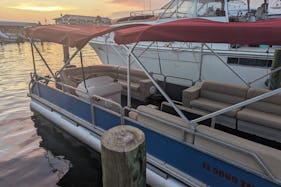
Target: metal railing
156, 12
94, 99
186, 130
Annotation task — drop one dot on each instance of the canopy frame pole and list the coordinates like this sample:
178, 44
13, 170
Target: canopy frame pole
129, 104
177, 9
233, 71
195, 13
33, 57
271, 72
43, 59
129, 101
159, 59
83, 72
68, 61
120, 55
146, 48
178, 111
201, 63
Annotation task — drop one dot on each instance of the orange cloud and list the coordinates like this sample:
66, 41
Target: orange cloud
39, 8
135, 3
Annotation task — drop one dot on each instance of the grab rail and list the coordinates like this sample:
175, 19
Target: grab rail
234, 147
253, 155
156, 12
172, 124
92, 98
184, 129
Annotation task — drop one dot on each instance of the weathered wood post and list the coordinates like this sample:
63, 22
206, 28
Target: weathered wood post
123, 157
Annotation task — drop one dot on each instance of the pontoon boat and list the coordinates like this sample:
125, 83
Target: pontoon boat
215, 134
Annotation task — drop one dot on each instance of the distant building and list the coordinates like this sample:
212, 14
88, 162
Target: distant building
15, 24
11, 31
85, 20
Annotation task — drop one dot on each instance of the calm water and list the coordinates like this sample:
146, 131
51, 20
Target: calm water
32, 151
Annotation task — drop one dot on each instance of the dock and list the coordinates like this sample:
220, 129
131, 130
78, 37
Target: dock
13, 32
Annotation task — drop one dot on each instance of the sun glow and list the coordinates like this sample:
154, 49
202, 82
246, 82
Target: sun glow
40, 8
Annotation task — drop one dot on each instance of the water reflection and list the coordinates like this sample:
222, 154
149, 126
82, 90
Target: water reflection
22, 161
85, 168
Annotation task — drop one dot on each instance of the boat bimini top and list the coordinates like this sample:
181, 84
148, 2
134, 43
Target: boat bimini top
204, 31
266, 32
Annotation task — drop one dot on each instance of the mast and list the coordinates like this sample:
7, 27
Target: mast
248, 4
177, 8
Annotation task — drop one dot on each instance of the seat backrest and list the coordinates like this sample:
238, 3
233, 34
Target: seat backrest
158, 125
270, 157
222, 92
136, 74
269, 105
73, 76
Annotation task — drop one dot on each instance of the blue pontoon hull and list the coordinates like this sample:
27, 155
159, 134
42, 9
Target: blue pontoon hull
185, 158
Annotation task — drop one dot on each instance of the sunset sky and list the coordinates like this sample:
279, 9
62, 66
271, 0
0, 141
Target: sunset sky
41, 10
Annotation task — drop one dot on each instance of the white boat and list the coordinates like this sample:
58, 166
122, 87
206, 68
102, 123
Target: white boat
276, 5
180, 62
238, 146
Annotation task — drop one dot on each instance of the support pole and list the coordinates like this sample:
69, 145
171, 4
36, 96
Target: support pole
123, 157
65, 53
68, 61
201, 62
276, 77
129, 82
43, 59
33, 58
179, 112
231, 69
83, 72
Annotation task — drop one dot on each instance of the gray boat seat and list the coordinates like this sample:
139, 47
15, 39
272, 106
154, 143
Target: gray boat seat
269, 156
156, 121
141, 86
74, 75
262, 118
213, 96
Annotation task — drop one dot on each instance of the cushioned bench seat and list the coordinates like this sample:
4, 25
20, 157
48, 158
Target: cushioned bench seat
210, 105
140, 84
214, 96
270, 157
262, 118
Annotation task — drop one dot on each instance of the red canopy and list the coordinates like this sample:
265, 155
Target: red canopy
186, 30
201, 30
70, 35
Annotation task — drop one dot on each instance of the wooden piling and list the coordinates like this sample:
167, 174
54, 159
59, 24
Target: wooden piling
123, 157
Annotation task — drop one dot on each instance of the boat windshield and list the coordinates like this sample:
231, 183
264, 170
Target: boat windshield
210, 8
180, 9
194, 8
